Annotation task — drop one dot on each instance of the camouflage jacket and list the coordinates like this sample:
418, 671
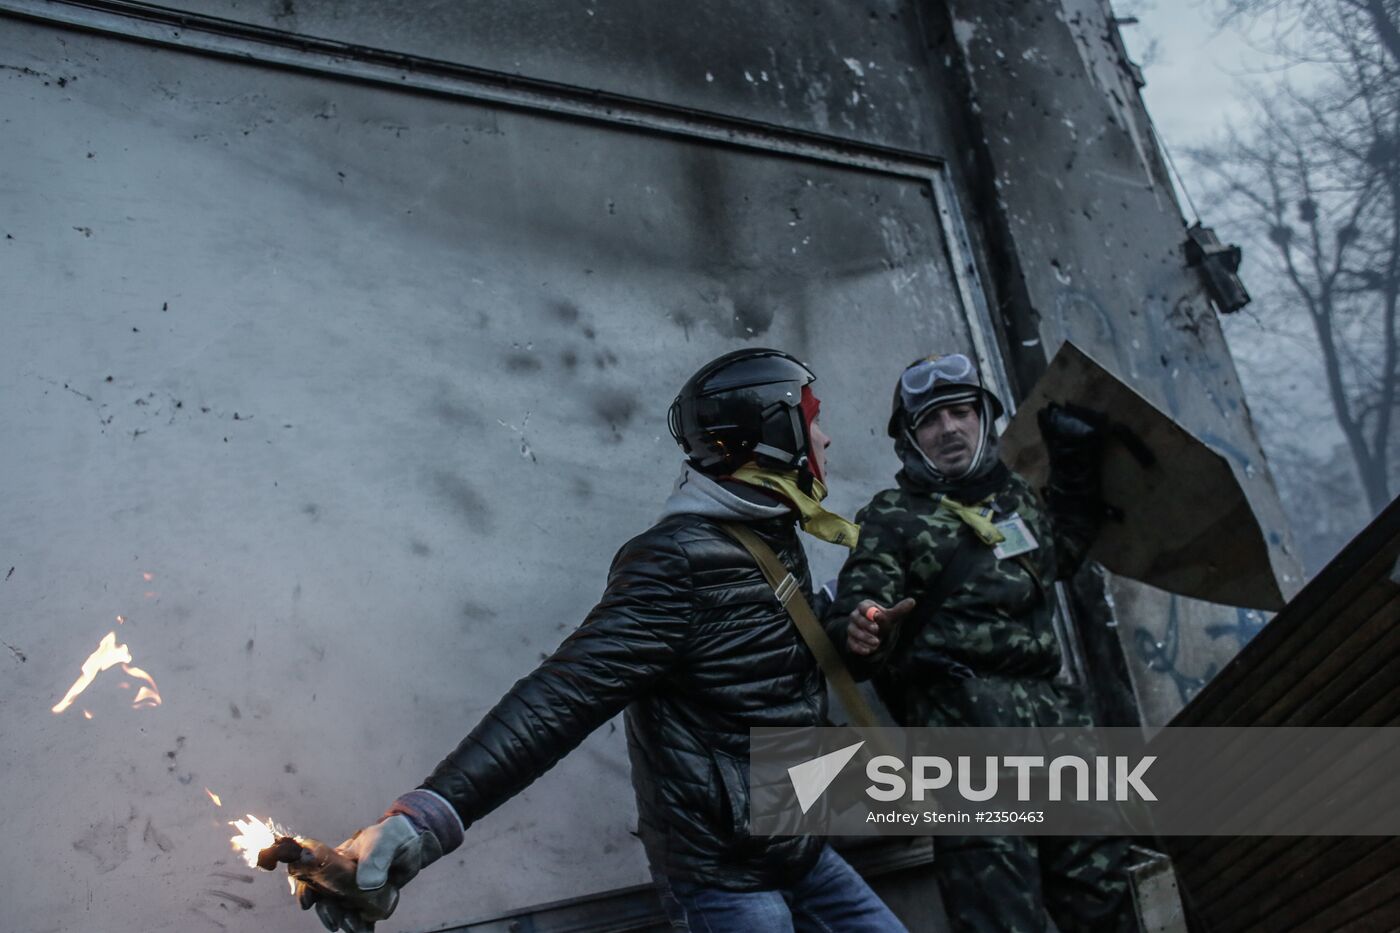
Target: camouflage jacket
988, 655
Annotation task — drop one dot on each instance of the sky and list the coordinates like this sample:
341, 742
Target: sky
1201, 76
1196, 71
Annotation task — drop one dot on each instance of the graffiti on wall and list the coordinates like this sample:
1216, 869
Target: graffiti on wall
1161, 654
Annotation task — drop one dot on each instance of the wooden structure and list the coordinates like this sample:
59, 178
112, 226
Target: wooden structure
1331, 658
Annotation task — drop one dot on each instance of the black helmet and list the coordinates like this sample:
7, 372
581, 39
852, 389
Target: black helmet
745, 405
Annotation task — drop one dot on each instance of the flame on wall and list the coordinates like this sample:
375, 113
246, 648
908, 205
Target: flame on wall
108, 655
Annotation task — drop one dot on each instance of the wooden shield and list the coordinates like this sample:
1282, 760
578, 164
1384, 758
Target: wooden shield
1186, 524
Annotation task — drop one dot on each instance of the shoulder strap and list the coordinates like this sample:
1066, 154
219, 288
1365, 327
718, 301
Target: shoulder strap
888, 680
958, 569
789, 593
1029, 565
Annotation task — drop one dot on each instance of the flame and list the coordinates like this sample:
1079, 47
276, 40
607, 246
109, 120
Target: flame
214, 797
121, 619
108, 654
148, 577
150, 695
253, 836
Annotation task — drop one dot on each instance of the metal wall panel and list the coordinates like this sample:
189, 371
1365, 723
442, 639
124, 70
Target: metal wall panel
371, 384
856, 70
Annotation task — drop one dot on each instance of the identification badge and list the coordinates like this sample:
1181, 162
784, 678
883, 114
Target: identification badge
1019, 539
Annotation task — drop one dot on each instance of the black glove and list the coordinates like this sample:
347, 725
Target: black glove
1074, 441
1071, 429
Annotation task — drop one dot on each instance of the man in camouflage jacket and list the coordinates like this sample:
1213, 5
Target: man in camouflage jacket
956, 636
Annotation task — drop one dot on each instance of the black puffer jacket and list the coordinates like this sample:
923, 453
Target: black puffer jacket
690, 638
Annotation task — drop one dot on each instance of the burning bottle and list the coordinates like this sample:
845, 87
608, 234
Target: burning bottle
326, 869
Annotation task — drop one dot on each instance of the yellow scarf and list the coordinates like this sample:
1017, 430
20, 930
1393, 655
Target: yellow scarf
815, 520
979, 520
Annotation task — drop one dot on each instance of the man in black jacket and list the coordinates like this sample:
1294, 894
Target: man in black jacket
692, 642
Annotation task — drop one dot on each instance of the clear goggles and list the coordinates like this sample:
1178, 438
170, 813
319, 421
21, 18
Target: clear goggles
919, 383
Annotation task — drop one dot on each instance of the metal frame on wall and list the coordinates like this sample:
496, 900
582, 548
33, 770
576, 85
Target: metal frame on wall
242, 42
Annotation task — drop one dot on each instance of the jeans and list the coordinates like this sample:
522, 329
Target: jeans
831, 898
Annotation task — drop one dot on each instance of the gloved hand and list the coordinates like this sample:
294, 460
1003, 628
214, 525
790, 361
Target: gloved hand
418, 829
1074, 440
1067, 428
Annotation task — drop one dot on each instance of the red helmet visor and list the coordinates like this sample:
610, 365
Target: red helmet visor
811, 407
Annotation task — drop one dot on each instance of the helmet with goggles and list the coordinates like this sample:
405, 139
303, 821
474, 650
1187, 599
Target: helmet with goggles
751, 404
935, 382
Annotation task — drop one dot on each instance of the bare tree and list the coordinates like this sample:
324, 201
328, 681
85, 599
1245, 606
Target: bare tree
1383, 18
1314, 186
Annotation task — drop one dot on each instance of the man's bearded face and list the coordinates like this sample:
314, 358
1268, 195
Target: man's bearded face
948, 436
